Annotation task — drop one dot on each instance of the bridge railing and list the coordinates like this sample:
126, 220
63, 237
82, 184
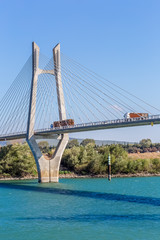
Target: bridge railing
124, 120
12, 134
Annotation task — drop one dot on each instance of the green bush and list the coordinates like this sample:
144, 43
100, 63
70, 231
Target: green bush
17, 161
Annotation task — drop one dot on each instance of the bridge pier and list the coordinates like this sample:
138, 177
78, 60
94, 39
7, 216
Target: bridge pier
56, 159
41, 162
48, 170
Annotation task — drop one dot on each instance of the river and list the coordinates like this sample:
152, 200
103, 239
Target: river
81, 209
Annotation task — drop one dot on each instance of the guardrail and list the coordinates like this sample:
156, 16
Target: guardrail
152, 117
13, 134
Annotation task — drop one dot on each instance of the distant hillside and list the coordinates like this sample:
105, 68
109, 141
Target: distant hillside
107, 142
98, 142
54, 142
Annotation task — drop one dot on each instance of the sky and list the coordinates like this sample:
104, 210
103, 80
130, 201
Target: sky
120, 40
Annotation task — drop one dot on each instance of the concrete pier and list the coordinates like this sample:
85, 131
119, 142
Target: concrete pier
48, 170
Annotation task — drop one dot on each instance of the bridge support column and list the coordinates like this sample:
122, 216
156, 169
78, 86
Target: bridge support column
56, 158
48, 170
41, 162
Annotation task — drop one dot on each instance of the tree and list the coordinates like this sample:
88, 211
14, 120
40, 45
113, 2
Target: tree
145, 143
70, 158
83, 158
154, 149
17, 161
44, 146
73, 143
87, 141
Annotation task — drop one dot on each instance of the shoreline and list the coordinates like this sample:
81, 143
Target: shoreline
73, 175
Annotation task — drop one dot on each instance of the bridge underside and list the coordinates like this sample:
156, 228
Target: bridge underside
23, 136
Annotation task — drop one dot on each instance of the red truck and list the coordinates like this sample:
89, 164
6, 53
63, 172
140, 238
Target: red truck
136, 115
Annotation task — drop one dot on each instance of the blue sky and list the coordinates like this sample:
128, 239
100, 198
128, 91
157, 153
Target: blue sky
119, 40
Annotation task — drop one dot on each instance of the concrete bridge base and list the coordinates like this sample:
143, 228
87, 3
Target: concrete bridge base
48, 170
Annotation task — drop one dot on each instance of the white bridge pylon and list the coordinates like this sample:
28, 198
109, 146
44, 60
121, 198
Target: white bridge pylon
48, 170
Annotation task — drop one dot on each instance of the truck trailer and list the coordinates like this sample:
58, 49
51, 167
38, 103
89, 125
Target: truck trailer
135, 115
62, 123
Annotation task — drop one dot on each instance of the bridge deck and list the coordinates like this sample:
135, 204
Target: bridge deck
119, 123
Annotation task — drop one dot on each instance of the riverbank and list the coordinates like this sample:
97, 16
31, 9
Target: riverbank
73, 175
16, 178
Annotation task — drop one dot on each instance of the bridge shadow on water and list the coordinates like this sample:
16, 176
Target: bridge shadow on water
83, 194
97, 218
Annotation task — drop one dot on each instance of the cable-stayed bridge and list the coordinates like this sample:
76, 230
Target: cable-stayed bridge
48, 90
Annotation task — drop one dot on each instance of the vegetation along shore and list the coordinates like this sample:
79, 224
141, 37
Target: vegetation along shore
84, 160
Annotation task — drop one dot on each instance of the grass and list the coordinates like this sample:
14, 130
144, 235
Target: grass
147, 155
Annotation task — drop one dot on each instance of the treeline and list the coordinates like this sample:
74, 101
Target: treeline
145, 145
85, 158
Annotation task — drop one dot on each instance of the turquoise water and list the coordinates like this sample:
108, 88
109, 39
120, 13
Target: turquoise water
125, 208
